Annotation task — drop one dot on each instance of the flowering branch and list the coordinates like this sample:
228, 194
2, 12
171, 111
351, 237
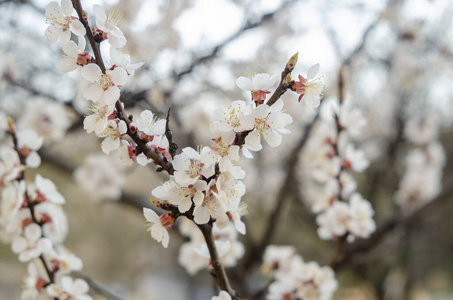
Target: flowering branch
29, 203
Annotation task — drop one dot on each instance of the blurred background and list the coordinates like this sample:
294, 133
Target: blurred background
398, 71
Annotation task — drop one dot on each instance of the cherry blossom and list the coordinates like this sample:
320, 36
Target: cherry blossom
62, 23
310, 88
47, 191
191, 165
361, 223
31, 244
69, 289
98, 117
268, 121
75, 56
229, 119
109, 24
105, 86
113, 133
122, 59
35, 281
10, 166
156, 227
181, 195
334, 221
149, 124
258, 85
29, 142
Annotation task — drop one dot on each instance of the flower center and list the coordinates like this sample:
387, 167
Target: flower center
194, 169
261, 124
105, 82
113, 20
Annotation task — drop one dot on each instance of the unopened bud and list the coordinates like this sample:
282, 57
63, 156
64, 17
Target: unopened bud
287, 80
11, 126
292, 62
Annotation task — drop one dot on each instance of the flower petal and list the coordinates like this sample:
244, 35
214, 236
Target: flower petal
92, 72
244, 83
312, 72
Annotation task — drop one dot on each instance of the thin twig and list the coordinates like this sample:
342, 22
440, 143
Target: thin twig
99, 288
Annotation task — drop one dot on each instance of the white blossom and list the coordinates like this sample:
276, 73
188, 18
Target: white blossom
29, 142
68, 288
191, 165
31, 244
104, 86
122, 59
334, 221
268, 121
310, 88
109, 24
361, 223
149, 124
158, 231
47, 191
75, 56
98, 117
62, 23
113, 134
229, 118
258, 85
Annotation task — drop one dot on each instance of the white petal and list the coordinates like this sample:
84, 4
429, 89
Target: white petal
65, 37
82, 43
19, 244
150, 215
33, 160
240, 226
262, 111
100, 15
92, 72
52, 34
66, 7
116, 38
53, 10
33, 232
111, 95
66, 65
77, 28
253, 139
312, 72
71, 49
244, 83
119, 76
273, 138
94, 92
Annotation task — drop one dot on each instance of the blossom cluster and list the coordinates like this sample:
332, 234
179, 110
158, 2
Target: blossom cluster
422, 179
104, 89
207, 184
331, 157
294, 278
33, 221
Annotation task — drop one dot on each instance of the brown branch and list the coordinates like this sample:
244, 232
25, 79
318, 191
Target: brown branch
220, 275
